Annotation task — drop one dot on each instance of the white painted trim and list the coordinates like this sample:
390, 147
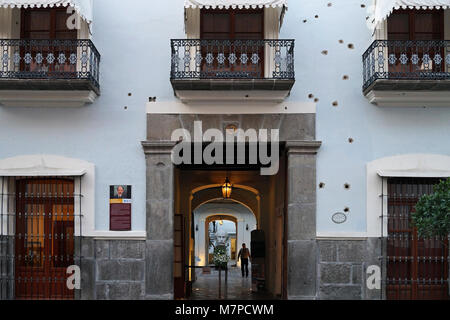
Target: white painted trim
42, 165
46, 98
52, 165
119, 235
330, 235
410, 165
416, 98
177, 107
212, 96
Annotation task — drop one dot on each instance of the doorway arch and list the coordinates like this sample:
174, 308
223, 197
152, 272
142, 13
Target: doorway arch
244, 219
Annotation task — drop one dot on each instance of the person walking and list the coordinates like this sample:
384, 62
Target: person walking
244, 255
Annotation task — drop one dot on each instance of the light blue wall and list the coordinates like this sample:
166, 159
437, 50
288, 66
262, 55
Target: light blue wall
133, 40
377, 132
133, 37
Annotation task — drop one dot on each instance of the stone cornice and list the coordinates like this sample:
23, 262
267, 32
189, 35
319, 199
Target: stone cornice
303, 147
158, 147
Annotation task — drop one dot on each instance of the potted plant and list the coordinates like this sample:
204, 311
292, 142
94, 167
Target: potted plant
221, 258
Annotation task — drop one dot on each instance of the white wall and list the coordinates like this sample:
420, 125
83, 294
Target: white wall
243, 215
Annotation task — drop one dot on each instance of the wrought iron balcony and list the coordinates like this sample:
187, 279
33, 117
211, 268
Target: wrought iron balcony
202, 68
49, 65
232, 59
407, 65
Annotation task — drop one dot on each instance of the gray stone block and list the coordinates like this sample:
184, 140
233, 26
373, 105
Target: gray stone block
302, 178
336, 292
335, 273
302, 271
87, 279
302, 221
159, 267
272, 121
127, 249
119, 291
298, 127
161, 126
327, 251
159, 219
101, 291
351, 251
131, 270
357, 274
84, 246
159, 177
102, 249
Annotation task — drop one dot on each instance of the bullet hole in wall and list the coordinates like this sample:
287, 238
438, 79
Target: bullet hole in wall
347, 186
304, 21
321, 185
310, 96
345, 77
325, 52
316, 16
329, 4
363, 5
126, 108
316, 100
347, 209
152, 99
341, 41
335, 104
350, 140
351, 46
129, 94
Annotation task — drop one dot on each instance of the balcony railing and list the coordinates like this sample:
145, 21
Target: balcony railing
49, 60
406, 60
232, 59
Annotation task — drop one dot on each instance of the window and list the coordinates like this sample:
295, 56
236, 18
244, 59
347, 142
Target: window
232, 24
229, 56
416, 268
46, 24
44, 245
419, 56
416, 25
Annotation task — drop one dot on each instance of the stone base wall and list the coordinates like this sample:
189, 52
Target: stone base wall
112, 269
342, 267
6, 267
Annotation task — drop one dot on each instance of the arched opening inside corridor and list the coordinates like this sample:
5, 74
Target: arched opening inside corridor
254, 213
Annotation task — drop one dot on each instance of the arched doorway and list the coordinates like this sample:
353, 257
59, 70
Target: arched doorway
263, 197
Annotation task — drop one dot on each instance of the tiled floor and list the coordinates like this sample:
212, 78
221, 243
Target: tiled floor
237, 288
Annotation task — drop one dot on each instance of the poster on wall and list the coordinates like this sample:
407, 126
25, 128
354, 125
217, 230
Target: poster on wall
120, 208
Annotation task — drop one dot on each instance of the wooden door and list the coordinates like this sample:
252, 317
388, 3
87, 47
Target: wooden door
233, 25
44, 246
48, 24
416, 268
416, 25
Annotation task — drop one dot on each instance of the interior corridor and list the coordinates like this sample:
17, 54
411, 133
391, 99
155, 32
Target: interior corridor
236, 288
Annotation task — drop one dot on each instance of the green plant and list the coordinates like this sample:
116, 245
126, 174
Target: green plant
432, 215
220, 257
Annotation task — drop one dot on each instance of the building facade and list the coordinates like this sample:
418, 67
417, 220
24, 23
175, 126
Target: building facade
345, 124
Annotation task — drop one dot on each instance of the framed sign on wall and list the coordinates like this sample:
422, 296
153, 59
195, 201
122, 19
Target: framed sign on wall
120, 208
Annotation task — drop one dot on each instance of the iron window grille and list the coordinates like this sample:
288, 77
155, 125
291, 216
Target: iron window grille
40, 224
413, 268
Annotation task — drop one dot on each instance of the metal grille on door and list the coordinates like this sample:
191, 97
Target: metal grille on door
39, 240
416, 268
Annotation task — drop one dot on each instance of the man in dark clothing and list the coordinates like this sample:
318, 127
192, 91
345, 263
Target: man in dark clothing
244, 254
